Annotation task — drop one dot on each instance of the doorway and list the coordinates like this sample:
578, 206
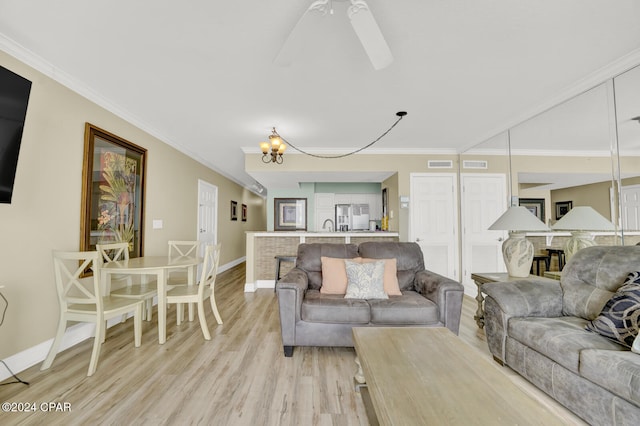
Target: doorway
483, 200
207, 213
434, 220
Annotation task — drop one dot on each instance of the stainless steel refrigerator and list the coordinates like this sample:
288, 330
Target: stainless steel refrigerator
352, 217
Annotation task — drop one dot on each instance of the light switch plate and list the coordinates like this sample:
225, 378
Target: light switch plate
157, 223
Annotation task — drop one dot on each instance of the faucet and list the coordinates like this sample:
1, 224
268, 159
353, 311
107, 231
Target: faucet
324, 225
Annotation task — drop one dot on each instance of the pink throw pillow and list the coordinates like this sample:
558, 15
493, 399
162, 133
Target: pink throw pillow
334, 276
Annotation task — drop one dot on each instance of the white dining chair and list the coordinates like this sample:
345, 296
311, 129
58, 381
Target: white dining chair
85, 302
199, 293
145, 291
181, 249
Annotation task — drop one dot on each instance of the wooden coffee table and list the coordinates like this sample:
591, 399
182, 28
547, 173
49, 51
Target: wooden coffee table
423, 375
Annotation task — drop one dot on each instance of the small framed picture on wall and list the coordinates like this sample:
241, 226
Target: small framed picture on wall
562, 208
234, 210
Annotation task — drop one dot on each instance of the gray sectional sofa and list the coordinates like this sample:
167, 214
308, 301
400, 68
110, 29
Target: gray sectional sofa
538, 329
310, 318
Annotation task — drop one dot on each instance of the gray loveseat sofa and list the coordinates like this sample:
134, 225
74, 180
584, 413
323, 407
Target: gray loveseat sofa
538, 329
309, 317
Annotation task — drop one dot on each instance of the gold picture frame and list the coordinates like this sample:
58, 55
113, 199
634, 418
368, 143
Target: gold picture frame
113, 183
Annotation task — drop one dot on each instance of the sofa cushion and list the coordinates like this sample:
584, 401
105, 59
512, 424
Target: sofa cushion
409, 258
409, 309
561, 339
365, 280
333, 309
620, 317
616, 371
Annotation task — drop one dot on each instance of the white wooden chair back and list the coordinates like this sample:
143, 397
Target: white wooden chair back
209, 269
111, 252
183, 248
68, 267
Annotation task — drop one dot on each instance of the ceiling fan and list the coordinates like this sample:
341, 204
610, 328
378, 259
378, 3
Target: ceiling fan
362, 21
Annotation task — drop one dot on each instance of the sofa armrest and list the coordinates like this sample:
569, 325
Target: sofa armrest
527, 298
290, 290
444, 292
523, 298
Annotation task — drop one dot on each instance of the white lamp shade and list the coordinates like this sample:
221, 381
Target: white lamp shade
583, 218
518, 218
517, 250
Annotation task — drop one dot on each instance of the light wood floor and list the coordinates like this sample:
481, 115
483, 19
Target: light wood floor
240, 377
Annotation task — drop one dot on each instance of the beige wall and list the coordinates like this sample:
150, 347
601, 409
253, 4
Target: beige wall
45, 210
596, 195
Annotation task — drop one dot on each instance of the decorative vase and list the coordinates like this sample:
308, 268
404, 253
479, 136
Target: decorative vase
518, 254
578, 241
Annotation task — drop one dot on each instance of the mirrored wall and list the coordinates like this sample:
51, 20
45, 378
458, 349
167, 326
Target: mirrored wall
582, 152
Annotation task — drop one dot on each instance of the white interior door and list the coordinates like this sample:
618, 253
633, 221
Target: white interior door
630, 209
207, 213
484, 199
434, 220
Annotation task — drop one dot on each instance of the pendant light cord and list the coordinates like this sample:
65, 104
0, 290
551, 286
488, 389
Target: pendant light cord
400, 115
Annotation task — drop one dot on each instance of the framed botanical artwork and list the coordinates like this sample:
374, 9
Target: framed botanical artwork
244, 212
113, 181
535, 206
290, 214
234, 210
562, 208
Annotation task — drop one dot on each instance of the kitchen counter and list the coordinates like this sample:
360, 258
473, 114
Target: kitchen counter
262, 247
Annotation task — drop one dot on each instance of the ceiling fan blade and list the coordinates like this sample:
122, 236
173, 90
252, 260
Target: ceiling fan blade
368, 31
299, 35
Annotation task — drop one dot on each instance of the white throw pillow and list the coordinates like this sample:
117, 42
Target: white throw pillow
365, 280
636, 345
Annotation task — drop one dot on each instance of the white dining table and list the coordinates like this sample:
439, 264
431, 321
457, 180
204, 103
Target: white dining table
160, 267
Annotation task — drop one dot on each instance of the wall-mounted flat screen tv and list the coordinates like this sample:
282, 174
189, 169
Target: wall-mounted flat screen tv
14, 97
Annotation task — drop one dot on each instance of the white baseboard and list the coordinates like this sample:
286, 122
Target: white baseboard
252, 287
227, 266
36, 354
72, 336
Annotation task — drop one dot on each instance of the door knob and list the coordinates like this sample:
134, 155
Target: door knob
418, 240
500, 239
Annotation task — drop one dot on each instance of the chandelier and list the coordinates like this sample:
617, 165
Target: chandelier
276, 146
273, 150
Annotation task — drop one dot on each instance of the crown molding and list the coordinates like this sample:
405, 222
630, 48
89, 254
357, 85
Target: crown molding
41, 65
609, 71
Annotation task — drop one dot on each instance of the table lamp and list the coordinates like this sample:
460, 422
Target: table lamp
580, 221
517, 250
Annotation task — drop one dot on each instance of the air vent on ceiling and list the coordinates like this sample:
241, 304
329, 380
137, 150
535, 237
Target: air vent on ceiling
475, 164
440, 164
